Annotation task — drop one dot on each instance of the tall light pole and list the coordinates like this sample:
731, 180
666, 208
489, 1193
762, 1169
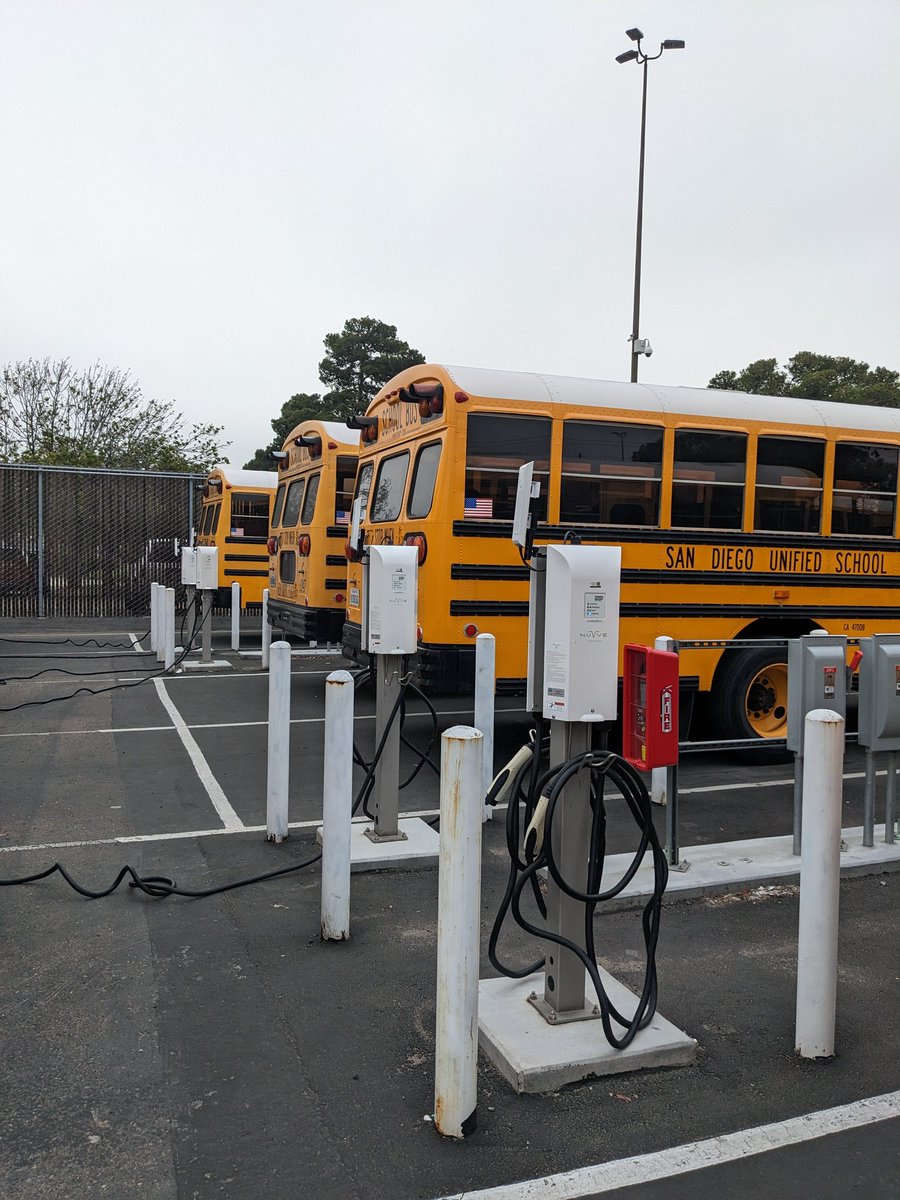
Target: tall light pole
641, 345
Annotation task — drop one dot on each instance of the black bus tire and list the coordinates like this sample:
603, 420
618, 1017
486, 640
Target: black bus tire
749, 698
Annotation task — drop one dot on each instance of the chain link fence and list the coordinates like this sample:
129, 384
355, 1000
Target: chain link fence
78, 542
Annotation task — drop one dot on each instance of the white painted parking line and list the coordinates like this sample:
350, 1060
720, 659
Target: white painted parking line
227, 815
694, 1156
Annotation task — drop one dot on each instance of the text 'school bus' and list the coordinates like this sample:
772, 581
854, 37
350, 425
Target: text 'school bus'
310, 522
235, 518
739, 516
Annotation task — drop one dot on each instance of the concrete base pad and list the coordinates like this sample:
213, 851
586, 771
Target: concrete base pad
537, 1057
188, 665
419, 849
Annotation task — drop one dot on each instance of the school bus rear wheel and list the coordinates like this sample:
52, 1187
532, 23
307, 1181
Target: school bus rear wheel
749, 695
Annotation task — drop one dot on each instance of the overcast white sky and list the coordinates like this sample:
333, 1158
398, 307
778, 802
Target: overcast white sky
200, 190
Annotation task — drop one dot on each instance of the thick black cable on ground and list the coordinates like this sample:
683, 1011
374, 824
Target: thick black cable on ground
539, 795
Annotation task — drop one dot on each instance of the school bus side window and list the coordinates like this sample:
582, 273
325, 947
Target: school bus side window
292, 503
207, 518
865, 489
387, 498
363, 487
708, 479
217, 508
789, 484
309, 503
279, 504
496, 446
249, 515
343, 493
610, 473
421, 494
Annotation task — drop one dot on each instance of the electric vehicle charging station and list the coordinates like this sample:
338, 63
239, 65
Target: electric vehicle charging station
200, 573
817, 679
390, 587
539, 1029
879, 724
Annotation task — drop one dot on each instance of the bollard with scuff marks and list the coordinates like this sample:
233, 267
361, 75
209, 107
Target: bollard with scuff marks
337, 807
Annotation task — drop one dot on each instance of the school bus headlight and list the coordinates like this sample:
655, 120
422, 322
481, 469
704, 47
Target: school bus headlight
417, 540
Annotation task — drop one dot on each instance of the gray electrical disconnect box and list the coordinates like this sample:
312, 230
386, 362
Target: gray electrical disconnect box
817, 678
879, 692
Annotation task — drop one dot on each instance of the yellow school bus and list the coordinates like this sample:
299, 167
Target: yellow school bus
738, 516
235, 517
308, 581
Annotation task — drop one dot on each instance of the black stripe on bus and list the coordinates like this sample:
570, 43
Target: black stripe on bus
488, 608
236, 571
679, 577
335, 560
246, 558
616, 535
341, 531
335, 585
247, 541
778, 612
483, 571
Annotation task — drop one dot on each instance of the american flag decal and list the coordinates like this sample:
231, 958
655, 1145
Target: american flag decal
341, 518
481, 507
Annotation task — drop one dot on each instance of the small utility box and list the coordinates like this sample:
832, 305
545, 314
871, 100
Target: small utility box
207, 568
649, 707
391, 590
879, 692
817, 678
188, 566
581, 633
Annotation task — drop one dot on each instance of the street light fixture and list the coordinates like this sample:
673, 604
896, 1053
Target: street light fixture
641, 345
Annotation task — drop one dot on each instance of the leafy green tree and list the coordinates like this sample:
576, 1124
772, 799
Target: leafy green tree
359, 361
301, 407
54, 413
816, 377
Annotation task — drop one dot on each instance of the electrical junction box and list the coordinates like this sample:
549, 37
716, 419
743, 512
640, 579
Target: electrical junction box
581, 633
879, 692
207, 568
391, 594
188, 566
649, 707
817, 678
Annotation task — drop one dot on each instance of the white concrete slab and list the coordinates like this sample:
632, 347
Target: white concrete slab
535, 1056
189, 665
419, 849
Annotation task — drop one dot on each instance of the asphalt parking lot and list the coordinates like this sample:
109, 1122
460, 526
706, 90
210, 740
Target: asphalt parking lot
216, 1047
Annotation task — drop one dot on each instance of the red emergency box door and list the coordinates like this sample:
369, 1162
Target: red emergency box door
649, 707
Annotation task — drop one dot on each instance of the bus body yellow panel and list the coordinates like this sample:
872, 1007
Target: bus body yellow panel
310, 522
739, 517
234, 517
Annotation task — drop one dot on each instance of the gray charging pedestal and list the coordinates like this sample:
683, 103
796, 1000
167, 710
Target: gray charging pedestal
543, 1031
817, 678
390, 583
879, 724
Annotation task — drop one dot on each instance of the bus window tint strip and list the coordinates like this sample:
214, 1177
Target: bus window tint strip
389, 487
309, 503
865, 489
789, 484
611, 473
421, 495
292, 504
496, 446
708, 479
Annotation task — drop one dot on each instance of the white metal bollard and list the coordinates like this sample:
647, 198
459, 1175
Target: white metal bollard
820, 877
160, 623
279, 745
459, 928
266, 630
337, 806
169, 627
154, 587
485, 686
235, 616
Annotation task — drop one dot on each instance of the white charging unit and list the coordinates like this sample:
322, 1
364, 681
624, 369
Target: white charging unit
581, 633
188, 566
391, 590
207, 568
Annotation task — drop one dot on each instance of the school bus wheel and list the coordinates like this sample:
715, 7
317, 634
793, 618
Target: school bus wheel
750, 694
